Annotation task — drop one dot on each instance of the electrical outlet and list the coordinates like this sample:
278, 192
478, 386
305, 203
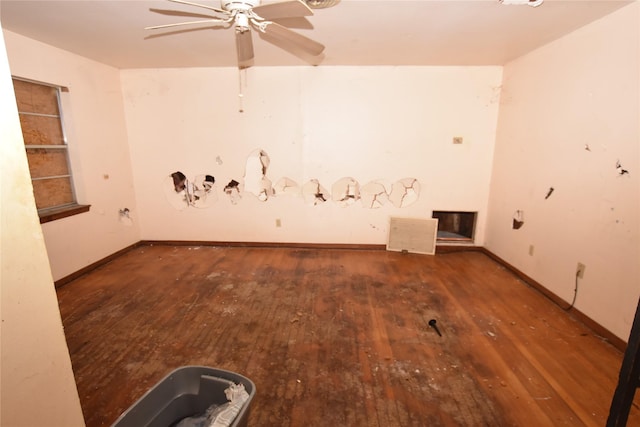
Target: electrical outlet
457, 140
278, 222
531, 248
580, 270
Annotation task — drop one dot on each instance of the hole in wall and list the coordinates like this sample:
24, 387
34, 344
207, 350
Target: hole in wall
314, 193
255, 175
203, 192
518, 220
232, 190
182, 193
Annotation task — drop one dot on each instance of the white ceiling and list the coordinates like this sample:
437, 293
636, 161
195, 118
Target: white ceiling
355, 32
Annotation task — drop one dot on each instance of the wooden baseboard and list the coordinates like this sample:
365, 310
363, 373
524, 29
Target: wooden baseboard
604, 333
367, 247
61, 282
441, 249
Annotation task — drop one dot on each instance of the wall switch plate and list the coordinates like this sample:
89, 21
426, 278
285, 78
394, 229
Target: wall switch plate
531, 248
457, 140
278, 222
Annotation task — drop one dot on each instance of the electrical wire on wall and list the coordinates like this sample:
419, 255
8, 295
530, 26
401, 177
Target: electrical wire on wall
575, 292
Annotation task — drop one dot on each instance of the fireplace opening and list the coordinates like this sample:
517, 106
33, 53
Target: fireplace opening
455, 226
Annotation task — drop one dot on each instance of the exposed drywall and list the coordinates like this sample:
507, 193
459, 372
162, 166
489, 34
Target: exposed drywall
569, 116
318, 125
37, 387
94, 120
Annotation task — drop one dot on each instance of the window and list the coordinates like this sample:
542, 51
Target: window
47, 150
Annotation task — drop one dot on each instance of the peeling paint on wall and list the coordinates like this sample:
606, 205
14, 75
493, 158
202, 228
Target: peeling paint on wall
373, 195
404, 192
345, 191
314, 193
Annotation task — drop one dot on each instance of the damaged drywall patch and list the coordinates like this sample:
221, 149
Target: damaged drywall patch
345, 191
373, 195
203, 192
182, 193
314, 193
255, 175
404, 192
124, 215
286, 187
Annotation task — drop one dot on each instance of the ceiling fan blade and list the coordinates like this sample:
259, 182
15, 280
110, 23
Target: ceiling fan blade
182, 30
215, 9
180, 13
285, 9
298, 23
177, 24
304, 43
244, 46
293, 49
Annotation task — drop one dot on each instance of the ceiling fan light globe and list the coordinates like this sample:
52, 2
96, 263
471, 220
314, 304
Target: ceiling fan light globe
242, 22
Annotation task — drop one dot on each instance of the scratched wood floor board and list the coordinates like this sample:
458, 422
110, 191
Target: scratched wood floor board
338, 337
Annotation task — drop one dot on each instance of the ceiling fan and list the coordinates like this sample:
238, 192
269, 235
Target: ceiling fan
245, 15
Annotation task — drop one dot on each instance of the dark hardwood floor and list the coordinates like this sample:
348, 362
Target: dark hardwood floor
338, 337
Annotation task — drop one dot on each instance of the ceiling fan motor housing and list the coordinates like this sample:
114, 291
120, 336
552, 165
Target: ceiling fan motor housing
239, 5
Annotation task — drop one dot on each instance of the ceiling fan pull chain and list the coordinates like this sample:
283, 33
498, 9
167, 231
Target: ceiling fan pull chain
241, 90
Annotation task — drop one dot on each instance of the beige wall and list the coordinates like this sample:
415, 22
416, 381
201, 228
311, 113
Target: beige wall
36, 382
95, 125
579, 91
369, 123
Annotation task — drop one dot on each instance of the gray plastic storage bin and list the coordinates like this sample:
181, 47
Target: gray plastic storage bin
186, 392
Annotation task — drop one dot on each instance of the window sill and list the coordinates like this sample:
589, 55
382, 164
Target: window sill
48, 215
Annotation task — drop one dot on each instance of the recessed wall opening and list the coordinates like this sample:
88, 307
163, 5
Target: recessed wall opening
455, 226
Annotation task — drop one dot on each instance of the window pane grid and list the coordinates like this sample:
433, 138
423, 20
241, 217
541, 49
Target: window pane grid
40, 111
